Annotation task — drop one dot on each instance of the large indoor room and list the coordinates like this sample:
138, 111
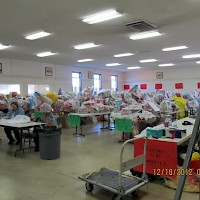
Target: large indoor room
99, 100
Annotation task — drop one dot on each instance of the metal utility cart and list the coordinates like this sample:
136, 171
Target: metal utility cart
118, 182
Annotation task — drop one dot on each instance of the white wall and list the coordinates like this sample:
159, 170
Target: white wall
25, 72
188, 76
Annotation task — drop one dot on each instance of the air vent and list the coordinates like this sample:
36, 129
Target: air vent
141, 26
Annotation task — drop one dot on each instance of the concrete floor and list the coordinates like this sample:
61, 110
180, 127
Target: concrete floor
27, 177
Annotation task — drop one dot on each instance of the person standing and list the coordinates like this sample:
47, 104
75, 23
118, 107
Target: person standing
15, 110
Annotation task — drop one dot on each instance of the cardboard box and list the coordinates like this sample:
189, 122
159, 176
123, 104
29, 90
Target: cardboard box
63, 120
156, 133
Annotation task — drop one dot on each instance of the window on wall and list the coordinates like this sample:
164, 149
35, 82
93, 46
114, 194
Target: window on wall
43, 89
76, 82
7, 88
97, 82
114, 83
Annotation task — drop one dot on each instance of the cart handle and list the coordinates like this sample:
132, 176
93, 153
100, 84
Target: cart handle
124, 166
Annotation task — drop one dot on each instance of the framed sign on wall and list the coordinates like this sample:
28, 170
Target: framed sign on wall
48, 71
126, 87
143, 86
159, 75
90, 75
158, 86
178, 85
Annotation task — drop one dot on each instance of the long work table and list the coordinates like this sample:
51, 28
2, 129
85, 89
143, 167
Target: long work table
162, 152
90, 115
185, 136
20, 127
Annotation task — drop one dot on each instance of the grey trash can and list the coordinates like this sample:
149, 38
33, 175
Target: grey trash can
49, 141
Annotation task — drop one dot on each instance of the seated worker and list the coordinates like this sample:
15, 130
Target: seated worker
15, 110
3, 108
36, 129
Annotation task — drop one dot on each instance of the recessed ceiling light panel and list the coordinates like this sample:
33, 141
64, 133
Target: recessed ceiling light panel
85, 46
85, 60
123, 55
191, 56
174, 48
4, 46
143, 35
136, 67
148, 60
37, 35
198, 62
166, 65
46, 53
112, 64
102, 16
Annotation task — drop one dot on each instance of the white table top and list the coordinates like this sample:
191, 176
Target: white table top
179, 141
90, 114
24, 125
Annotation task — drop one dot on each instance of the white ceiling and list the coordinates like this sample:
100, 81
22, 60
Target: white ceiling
178, 20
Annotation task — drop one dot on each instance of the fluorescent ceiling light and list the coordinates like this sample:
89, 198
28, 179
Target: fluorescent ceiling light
85, 60
3, 46
191, 56
123, 55
112, 64
198, 62
37, 35
142, 35
85, 46
137, 67
174, 48
148, 60
166, 65
44, 54
102, 16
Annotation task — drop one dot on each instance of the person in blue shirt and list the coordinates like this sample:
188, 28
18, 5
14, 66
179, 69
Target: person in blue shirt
3, 108
16, 110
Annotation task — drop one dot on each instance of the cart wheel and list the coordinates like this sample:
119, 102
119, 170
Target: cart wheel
135, 193
116, 197
89, 187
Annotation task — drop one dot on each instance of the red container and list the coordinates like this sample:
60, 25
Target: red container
99, 118
195, 165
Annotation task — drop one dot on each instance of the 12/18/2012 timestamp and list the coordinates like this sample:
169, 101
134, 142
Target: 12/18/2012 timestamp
174, 172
